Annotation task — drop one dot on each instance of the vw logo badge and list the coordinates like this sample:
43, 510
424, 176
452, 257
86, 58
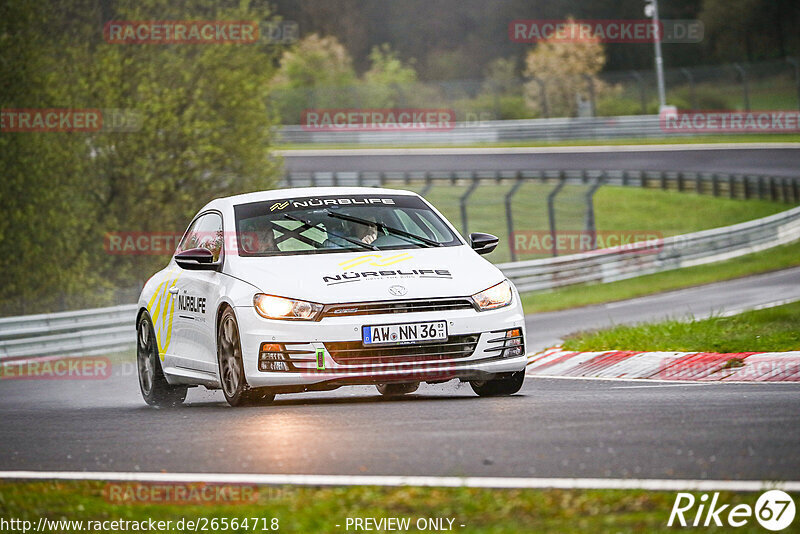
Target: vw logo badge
398, 291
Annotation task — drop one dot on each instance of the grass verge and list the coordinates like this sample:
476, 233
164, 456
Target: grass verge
734, 138
303, 509
585, 295
773, 329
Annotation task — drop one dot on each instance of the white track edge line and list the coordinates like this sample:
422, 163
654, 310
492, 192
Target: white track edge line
426, 481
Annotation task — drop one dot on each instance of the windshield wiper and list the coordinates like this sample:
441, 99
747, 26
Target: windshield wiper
317, 226
390, 229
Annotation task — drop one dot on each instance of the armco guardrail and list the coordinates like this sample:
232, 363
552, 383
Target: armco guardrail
82, 332
644, 258
102, 330
493, 131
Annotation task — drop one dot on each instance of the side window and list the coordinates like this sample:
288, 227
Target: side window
205, 232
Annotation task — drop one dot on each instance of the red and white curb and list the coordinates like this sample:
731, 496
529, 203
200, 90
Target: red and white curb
686, 366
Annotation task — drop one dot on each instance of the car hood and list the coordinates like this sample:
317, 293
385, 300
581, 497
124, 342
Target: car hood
369, 276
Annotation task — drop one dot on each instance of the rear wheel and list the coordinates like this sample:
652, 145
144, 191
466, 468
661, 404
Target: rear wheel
392, 390
500, 387
155, 389
231, 368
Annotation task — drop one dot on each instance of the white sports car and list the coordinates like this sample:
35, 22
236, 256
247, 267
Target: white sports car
312, 289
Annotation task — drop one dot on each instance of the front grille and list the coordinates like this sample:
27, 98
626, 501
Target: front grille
354, 353
395, 306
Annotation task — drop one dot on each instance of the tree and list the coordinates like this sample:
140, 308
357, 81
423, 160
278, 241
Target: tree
566, 70
388, 80
204, 131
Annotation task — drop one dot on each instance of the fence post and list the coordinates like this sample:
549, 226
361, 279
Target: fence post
796, 190
746, 184
551, 211
745, 88
428, 185
761, 187
663, 177
510, 216
715, 184
590, 225
592, 103
793, 62
680, 182
698, 183
642, 94
543, 96
773, 189
288, 181
731, 186
692, 92
463, 202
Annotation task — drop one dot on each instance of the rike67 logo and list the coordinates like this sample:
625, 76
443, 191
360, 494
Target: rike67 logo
774, 510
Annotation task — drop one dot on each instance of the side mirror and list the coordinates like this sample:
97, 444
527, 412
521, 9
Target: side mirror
197, 259
483, 243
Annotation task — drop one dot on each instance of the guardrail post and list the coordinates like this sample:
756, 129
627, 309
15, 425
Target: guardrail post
773, 189
785, 190
746, 184
745, 87
463, 202
624, 178
663, 177
796, 190
381, 178
590, 224
289, 179
359, 179
698, 183
551, 210
510, 216
643, 179
731, 186
761, 187
335, 179
714, 184
680, 182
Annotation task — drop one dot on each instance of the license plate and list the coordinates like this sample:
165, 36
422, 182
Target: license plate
397, 334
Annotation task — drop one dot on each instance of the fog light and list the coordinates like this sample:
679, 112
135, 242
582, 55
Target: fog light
271, 358
513, 343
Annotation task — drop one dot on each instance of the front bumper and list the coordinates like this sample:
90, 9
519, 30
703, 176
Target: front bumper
313, 366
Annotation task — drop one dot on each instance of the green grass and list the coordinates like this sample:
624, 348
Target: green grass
628, 210
585, 294
773, 329
730, 138
304, 509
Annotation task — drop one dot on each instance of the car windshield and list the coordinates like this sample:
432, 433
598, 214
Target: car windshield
338, 223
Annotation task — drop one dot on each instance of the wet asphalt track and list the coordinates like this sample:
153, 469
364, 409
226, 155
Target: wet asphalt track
552, 428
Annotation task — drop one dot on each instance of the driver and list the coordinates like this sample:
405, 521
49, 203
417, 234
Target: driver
257, 236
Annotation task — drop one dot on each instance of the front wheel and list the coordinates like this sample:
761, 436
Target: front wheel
231, 368
500, 387
155, 389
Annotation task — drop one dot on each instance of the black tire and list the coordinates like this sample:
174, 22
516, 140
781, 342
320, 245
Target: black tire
231, 367
156, 391
393, 390
497, 388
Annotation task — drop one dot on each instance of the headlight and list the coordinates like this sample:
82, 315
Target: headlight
273, 307
496, 296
